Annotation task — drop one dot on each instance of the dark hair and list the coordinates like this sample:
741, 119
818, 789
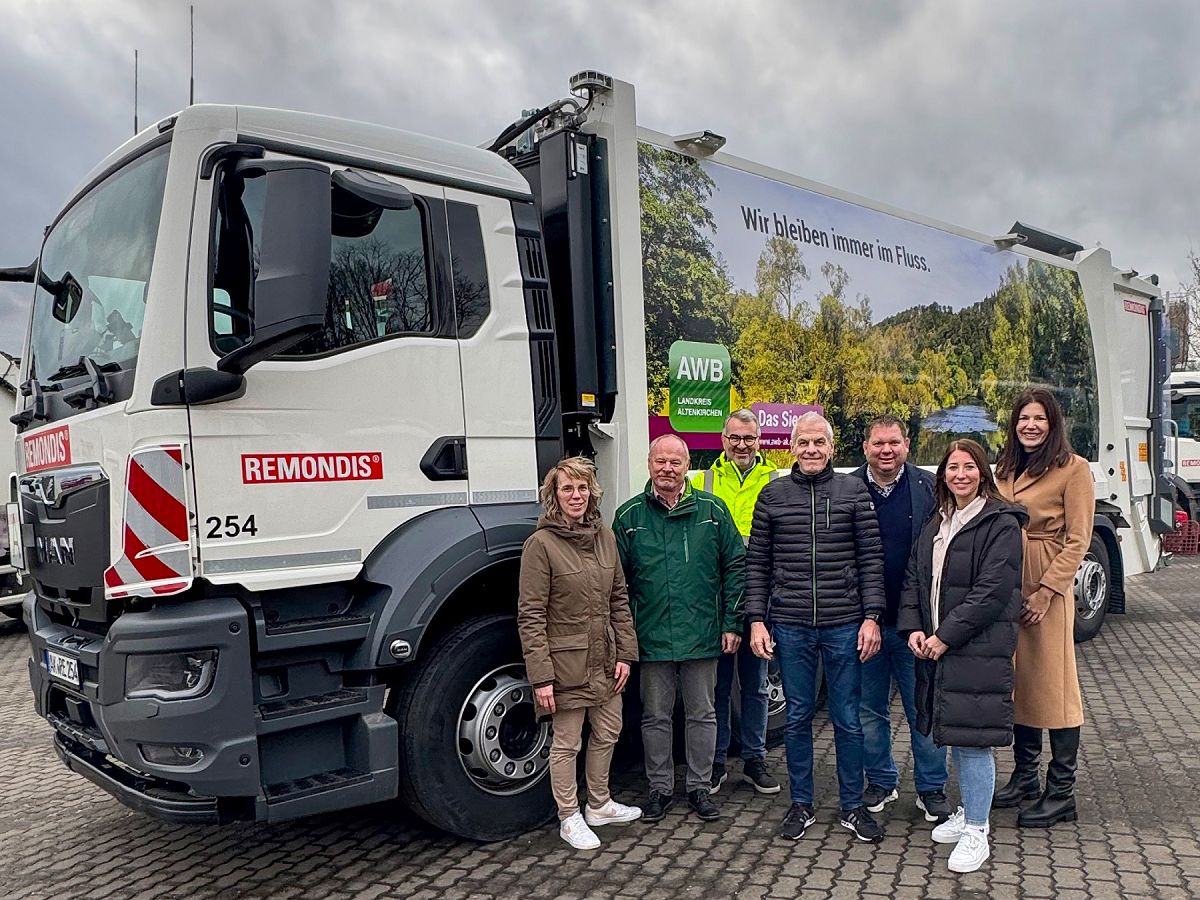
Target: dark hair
886, 421
1054, 451
987, 483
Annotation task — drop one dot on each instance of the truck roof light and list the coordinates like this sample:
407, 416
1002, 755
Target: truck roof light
1004, 241
1046, 241
699, 143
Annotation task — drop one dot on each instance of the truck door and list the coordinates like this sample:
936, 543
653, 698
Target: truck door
349, 433
1139, 397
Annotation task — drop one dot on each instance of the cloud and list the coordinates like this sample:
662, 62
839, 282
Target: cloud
1079, 117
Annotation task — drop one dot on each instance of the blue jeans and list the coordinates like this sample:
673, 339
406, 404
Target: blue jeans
798, 648
895, 660
752, 727
976, 768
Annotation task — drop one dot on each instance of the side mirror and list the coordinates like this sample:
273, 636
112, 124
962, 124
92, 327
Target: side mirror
68, 296
292, 285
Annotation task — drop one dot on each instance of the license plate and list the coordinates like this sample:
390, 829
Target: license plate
64, 668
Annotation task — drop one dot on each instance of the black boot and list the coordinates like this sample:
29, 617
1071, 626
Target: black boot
1024, 784
1057, 803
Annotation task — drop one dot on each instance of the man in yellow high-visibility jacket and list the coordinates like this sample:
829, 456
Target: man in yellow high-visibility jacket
737, 476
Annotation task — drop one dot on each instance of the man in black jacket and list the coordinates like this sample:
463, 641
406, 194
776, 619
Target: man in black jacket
903, 499
814, 589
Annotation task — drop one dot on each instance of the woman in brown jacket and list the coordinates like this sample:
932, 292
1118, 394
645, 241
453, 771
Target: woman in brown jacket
1038, 469
578, 639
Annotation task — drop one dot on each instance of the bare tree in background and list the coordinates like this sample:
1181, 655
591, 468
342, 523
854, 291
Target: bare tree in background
1183, 314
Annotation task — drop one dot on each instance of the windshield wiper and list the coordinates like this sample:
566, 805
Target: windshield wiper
97, 391
74, 370
36, 411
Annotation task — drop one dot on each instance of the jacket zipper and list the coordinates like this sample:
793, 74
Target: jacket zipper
942, 580
827, 514
686, 556
812, 494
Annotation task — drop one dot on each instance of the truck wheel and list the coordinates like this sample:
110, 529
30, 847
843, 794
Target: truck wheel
776, 709
473, 757
1093, 583
776, 704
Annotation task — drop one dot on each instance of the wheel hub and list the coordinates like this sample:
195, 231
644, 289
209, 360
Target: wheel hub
1091, 588
776, 701
502, 746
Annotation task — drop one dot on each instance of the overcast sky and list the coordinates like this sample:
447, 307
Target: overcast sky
1079, 117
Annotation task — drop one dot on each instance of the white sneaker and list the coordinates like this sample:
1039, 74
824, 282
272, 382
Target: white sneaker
971, 851
952, 829
611, 813
575, 832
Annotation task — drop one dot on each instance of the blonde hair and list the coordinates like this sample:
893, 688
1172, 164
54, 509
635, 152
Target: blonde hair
577, 467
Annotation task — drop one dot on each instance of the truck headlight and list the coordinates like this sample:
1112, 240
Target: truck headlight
170, 676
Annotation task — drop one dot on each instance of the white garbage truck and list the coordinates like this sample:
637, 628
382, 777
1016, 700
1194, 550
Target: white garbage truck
291, 383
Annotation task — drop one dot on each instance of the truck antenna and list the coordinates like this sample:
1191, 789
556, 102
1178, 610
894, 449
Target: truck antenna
192, 56
135, 89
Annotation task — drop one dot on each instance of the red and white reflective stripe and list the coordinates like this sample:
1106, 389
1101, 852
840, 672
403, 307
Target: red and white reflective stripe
156, 553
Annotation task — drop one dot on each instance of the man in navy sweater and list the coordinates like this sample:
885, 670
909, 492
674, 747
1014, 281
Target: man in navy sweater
903, 498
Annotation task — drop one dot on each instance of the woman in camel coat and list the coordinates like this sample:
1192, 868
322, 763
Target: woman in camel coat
1038, 470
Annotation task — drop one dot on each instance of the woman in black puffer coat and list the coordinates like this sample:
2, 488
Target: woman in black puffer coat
961, 600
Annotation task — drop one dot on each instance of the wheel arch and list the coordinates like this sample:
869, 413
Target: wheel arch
1105, 528
467, 565
1186, 495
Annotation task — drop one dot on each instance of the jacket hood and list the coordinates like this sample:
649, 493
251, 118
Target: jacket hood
583, 531
998, 508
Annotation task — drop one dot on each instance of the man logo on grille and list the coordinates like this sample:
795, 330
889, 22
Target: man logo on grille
56, 551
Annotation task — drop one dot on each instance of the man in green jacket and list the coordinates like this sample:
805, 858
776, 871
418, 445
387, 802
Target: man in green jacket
684, 563
737, 476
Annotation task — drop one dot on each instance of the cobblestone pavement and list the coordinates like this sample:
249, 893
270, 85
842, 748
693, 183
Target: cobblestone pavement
1138, 832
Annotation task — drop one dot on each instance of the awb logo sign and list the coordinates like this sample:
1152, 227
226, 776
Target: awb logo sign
48, 449
287, 468
699, 386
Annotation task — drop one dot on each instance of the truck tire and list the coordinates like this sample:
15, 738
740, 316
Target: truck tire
473, 757
776, 709
776, 705
1093, 584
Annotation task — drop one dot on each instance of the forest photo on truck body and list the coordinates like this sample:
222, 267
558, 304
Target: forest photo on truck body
823, 303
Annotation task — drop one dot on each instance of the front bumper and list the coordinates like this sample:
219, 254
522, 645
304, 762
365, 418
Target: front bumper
168, 801
100, 733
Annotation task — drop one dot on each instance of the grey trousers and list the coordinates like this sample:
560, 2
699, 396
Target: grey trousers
697, 680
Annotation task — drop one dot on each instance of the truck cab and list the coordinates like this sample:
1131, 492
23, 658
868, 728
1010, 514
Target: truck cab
1183, 443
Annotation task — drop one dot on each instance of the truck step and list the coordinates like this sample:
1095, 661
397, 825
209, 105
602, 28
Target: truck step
311, 632
358, 757
319, 783
283, 715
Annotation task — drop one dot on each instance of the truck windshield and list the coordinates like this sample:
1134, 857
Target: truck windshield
91, 292
1186, 413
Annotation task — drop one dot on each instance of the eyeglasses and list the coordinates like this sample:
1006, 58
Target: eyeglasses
741, 438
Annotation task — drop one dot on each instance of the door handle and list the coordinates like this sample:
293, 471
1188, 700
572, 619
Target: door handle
446, 459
